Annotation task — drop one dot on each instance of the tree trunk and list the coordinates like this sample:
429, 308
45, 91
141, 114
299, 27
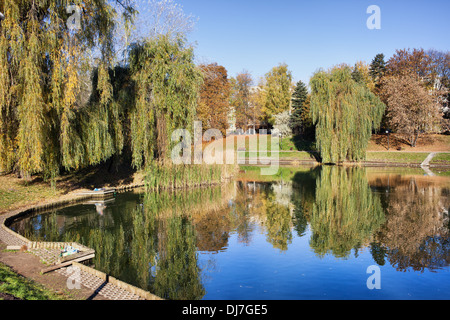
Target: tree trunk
416, 136
411, 140
161, 138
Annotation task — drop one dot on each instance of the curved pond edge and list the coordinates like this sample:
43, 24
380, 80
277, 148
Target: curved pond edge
9, 217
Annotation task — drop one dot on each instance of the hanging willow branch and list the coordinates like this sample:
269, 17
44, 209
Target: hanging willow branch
41, 63
167, 90
345, 113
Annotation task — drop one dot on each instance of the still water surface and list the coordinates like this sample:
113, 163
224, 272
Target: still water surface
307, 233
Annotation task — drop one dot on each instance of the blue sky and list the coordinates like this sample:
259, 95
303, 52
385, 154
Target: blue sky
308, 35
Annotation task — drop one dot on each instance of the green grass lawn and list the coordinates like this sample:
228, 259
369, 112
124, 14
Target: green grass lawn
385, 157
441, 158
397, 157
20, 287
285, 173
15, 192
297, 143
297, 155
286, 144
295, 148
291, 148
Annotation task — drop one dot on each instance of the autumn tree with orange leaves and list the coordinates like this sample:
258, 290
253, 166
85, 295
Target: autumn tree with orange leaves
214, 104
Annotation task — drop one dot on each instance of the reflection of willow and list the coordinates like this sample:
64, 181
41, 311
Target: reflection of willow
153, 245
247, 200
178, 274
303, 196
278, 222
345, 212
162, 243
416, 232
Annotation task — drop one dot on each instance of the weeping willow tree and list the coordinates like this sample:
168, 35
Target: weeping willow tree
345, 213
103, 121
62, 103
345, 113
43, 62
167, 90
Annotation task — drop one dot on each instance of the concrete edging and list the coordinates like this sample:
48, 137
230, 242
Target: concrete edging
123, 285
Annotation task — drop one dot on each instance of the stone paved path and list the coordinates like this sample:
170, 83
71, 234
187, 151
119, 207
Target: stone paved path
426, 162
106, 290
6, 237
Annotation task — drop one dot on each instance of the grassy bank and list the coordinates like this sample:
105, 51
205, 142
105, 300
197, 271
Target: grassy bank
15, 192
286, 144
408, 157
397, 157
12, 284
425, 143
284, 173
441, 159
291, 155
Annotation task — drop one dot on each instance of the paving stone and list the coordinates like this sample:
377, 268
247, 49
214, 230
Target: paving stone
107, 290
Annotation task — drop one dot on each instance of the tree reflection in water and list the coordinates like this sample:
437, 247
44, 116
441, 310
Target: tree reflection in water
154, 243
345, 212
416, 233
278, 220
407, 224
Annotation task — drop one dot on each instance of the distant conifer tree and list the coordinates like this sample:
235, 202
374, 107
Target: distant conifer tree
300, 108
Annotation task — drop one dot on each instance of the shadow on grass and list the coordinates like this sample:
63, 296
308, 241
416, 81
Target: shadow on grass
110, 173
307, 144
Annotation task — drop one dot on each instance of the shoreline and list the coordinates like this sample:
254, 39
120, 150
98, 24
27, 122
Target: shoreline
294, 162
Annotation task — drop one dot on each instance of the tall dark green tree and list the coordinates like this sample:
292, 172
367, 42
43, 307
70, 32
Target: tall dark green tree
299, 96
377, 69
299, 108
357, 76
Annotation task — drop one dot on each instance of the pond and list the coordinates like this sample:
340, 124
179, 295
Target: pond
306, 233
